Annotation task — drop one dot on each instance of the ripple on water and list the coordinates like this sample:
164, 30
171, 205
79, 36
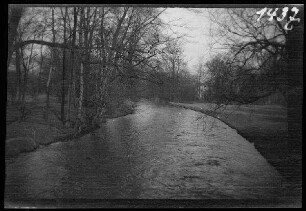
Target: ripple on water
155, 153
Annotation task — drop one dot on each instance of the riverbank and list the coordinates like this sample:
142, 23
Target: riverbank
28, 135
264, 125
157, 152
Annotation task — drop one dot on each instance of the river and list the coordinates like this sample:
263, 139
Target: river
159, 152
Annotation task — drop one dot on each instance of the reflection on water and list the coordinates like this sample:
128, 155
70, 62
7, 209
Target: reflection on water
158, 152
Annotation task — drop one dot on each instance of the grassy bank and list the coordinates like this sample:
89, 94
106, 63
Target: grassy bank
264, 125
27, 135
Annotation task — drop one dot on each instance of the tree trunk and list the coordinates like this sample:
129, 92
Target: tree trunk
69, 94
41, 65
173, 81
48, 93
16, 13
63, 91
50, 71
177, 81
18, 76
26, 67
81, 92
71, 97
81, 83
24, 90
69, 101
63, 74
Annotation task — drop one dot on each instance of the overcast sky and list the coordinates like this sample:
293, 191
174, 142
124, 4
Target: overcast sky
195, 24
196, 28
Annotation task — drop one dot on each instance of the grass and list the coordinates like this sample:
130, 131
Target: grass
266, 126
20, 133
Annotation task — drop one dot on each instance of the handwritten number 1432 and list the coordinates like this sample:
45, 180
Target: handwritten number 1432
284, 13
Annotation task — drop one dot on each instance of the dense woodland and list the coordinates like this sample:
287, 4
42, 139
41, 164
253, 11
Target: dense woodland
92, 59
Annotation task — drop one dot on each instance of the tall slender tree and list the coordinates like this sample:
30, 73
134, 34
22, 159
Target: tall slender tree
64, 71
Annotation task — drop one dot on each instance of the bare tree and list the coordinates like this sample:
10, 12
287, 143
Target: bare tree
64, 71
252, 44
110, 51
271, 49
14, 17
71, 93
51, 68
27, 66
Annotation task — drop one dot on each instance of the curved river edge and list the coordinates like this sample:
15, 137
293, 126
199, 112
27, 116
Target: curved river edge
209, 113
15, 146
290, 168
115, 129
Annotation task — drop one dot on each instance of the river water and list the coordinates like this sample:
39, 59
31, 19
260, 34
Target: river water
159, 152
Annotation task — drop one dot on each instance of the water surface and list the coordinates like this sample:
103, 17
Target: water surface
159, 152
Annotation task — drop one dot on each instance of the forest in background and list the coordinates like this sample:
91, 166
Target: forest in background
90, 60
